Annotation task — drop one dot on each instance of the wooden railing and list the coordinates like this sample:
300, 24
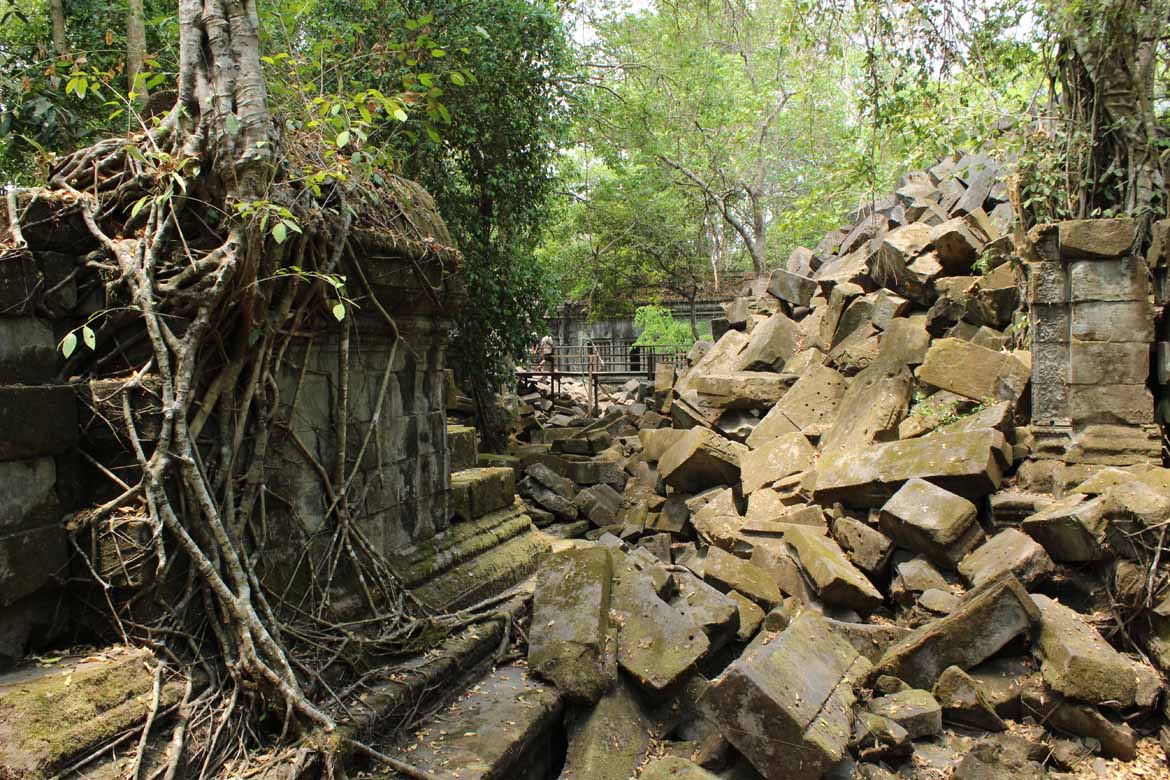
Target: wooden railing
614, 360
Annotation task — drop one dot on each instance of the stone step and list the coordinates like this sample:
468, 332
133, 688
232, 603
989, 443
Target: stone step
463, 445
491, 572
503, 728
422, 562
477, 492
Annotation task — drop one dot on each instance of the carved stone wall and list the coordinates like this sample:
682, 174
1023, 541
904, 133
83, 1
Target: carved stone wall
1092, 324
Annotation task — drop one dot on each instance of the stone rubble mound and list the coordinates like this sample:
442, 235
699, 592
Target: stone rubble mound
813, 552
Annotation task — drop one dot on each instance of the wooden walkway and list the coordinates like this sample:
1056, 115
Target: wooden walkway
602, 362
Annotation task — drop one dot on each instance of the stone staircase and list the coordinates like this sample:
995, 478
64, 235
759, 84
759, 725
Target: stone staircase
491, 544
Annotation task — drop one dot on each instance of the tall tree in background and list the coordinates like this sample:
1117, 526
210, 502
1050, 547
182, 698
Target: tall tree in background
136, 52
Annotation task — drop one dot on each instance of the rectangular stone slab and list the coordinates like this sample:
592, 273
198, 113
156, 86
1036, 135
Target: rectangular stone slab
988, 618
966, 463
787, 705
570, 618
657, 644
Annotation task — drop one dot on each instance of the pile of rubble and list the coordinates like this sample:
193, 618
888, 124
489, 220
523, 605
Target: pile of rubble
814, 553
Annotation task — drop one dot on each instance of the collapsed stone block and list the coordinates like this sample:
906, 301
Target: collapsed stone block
968, 463
570, 619
984, 623
610, 740
964, 701
837, 580
871, 409
1007, 551
600, 503
657, 644
701, 459
956, 245
913, 709
787, 706
779, 458
808, 406
734, 573
924, 518
867, 547
740, 389
973, 372
1071, 529
1077, 662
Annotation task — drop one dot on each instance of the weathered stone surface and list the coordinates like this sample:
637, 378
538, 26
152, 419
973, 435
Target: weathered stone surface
972, 371
925, 518
1077, 661
837, 580
610, 740
718, 523
1003, 757
905, 341
956, 246
913, 577
1113, 404
787, 706
499, 730
740, 389
867, 547
772, 342
716, 613
699, 460
54, 407
570, 614
657, 441
792, 287
1112, 321
779, 458
988, 619
781, 565
808, 406
1097, 238
968, 464
751, 616
657, 644
1007, 551
1117, 740
534, 491
732, 573
489, 489
674, 768
933, 411
964, 701
876, 401
28, 351
1071, 529
600, 503
50, 717
913, 709
551, 480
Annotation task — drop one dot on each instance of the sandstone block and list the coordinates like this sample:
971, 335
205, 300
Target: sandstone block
600, 503
972, 371
611, 740
1071, 529
913, 709
1077, 662
657, 644
1007, 551
837, 580
570, 619
808, 406
772, 342
964, 701
868, 548
1096, 238
37, 420
1113, 321
968, 463
732, 573
987, 620
956, 245
792, 287
779, 458
28, 351
788, 706
701, 459
740, 389
927, 519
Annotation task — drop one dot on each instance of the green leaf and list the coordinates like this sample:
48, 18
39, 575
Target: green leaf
69, 343
339, 311
89, 337
279, 232
438, 53
342, 139
138, 204
457, 79
400, 115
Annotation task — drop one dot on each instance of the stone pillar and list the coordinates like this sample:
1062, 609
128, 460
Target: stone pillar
1092, 327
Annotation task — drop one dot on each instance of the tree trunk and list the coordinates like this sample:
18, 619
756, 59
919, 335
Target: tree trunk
694, 312
757, 246
135, 51
57, 16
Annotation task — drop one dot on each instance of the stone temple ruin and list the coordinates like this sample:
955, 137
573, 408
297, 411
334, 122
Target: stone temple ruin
903, 518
